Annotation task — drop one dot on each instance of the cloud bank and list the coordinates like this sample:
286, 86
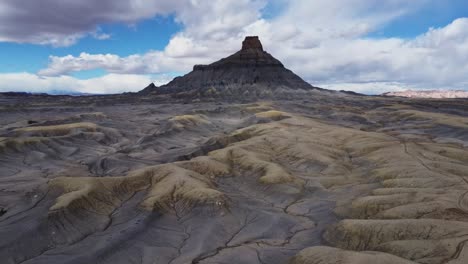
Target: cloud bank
63, 23
107, 84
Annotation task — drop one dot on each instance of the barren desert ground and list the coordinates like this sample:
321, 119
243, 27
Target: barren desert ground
330, 178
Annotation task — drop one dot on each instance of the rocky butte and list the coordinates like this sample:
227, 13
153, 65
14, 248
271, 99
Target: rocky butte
249, 72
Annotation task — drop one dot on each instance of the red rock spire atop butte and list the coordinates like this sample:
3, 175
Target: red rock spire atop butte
252, 42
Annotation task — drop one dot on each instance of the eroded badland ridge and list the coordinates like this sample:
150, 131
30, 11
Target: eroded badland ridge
327, 178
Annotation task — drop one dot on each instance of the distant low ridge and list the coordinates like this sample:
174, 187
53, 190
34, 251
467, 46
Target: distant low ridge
249, 72
436, 94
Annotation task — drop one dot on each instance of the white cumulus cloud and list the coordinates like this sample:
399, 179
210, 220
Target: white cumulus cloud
107, 84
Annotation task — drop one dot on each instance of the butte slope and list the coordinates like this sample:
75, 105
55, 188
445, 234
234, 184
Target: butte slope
250, 72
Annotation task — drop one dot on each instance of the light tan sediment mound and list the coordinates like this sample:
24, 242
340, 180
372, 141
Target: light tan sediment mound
271, 173
187, 121
412, 118
436, 118
272, 115
180, 123
329, 255
85, 200
205, 165
101, 195
259, 107
49, 138
171, 184
64, 130
420, 209
396, 203
56, 130
421, 240
165, 184
19, 144
86, 204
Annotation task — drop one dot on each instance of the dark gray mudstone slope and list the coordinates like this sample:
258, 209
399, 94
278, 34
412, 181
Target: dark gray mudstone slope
250, 71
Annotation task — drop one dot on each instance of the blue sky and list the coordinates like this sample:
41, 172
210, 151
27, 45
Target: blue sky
124, 40
434, 14
368, 46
